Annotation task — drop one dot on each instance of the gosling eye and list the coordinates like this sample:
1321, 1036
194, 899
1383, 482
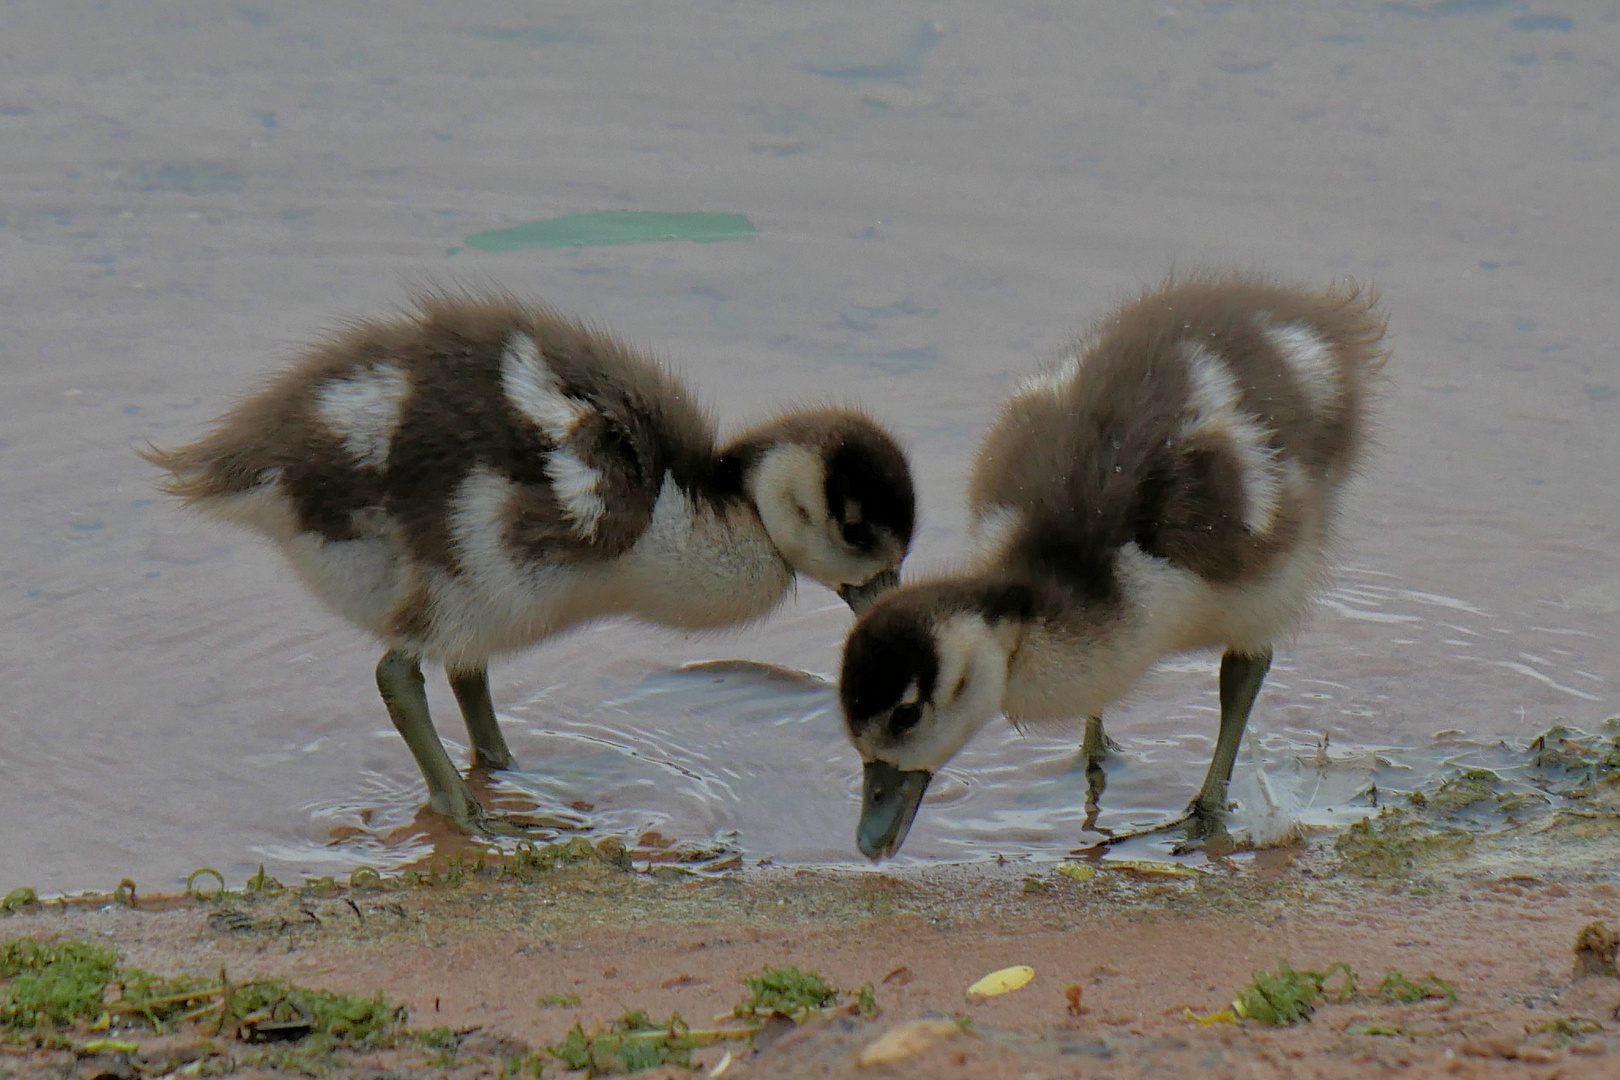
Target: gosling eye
904, 718
859, 535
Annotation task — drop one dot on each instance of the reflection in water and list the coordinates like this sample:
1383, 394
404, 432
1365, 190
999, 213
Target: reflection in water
733, 755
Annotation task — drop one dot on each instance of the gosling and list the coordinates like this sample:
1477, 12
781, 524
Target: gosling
1171, 485
482, 474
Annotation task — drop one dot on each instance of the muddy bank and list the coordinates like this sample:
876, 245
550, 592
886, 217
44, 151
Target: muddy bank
509, 964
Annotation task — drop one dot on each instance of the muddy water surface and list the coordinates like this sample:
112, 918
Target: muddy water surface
185, 197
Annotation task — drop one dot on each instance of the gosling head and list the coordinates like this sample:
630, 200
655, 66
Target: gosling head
833, 490
924, 669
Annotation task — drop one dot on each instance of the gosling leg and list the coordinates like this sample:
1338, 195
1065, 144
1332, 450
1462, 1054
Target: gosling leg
399, 680
1096, 745
1241, 677
1205, 820
489, 749
1094, 748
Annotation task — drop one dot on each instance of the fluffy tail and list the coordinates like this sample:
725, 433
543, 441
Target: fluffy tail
209, 469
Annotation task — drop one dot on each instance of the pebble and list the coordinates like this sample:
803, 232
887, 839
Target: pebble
905, 1041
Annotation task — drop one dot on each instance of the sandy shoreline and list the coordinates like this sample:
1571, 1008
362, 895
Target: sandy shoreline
1144, 947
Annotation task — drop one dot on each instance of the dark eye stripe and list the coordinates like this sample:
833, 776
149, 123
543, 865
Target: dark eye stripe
904, 718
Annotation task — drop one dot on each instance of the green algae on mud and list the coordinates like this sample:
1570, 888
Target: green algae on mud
634, 1042
52, 990
615, 227
1395, 843
1290, 996
785, 991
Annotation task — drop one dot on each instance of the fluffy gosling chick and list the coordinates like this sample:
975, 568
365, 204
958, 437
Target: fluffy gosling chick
1170, 486
481, 474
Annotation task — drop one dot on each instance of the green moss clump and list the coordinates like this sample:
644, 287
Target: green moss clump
17, 899
1572, 761
1569, 1029
1397, 989
1461, 792
1290, 996
47, 986
52, 984
787, 991
629, 1045
559, 1001
279, 1010
530, 860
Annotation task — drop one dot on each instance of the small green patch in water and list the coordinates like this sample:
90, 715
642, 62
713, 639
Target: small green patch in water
1461, 792
17, 899
611, 227
1395, 842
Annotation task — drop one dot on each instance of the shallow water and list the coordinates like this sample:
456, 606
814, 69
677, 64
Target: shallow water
188, 197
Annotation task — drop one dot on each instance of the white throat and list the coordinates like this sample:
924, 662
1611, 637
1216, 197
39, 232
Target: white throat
697, 566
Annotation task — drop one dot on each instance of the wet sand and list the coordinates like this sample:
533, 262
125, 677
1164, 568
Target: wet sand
1144, 948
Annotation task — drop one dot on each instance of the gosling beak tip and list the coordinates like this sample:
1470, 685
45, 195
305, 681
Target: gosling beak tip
860, 597
889, 802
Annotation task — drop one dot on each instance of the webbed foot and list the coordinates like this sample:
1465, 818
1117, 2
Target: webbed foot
1201, 828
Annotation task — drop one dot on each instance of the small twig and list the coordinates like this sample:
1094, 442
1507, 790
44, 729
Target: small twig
227, 993
197, 1013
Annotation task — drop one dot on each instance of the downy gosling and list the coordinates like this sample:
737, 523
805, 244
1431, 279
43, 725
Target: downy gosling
481, 474
1169, 486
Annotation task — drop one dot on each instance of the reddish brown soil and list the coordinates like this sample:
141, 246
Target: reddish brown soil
1142, 949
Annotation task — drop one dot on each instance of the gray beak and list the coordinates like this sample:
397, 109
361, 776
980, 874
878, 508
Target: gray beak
859, 597
889, 801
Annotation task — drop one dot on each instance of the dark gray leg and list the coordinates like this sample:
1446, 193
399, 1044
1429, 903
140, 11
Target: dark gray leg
1241, 676
399, 679
483, 730
1205, 820
1094, 749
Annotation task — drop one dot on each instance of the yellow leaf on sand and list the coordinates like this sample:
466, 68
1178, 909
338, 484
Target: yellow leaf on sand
1223, 1017
1003, 981
1148, 868
1079, 871
907, 1040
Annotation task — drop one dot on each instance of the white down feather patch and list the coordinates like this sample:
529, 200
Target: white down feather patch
1311, 361
1057, 380
533, 390
363, 410
1217, 409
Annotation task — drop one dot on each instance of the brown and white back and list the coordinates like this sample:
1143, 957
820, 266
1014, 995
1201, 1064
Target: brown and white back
1171, 485
482, 473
